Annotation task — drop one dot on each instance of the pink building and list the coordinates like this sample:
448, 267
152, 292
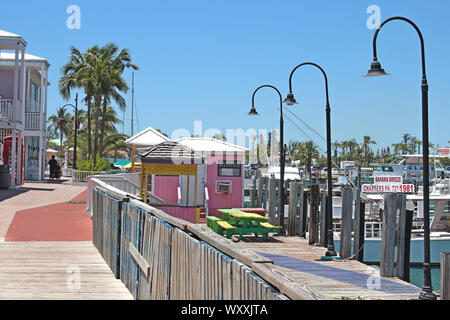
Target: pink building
219, 180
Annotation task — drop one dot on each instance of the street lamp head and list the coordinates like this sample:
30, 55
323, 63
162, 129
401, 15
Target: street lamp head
290, 100
376, 70
253, 112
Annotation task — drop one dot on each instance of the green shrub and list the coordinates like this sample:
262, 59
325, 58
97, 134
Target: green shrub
88, 165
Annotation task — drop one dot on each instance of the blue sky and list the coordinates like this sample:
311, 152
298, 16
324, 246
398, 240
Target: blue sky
201, 60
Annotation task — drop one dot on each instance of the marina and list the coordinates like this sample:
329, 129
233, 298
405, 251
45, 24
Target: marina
181, 155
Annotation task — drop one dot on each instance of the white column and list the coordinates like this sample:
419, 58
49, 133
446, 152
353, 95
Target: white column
20, 159
15, 115
43, 131
40, 176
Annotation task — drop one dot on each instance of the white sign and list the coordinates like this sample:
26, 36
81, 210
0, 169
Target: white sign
372, 188
387, 180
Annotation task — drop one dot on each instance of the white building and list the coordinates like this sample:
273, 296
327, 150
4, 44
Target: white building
23, 107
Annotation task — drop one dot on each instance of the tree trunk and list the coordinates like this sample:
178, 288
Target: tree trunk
102, 132
97, 106
89, 129
61, 142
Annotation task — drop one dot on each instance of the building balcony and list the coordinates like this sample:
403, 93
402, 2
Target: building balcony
7, 111
33, 121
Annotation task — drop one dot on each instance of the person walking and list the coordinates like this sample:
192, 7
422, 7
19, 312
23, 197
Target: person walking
53, 168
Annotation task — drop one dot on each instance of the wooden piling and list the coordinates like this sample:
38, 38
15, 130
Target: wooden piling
314, 215
388, 236
272, 201
323, 235
265, 192
346, 223
260, 192
404, 239
293, 217
303, 210
358, 242
445, 276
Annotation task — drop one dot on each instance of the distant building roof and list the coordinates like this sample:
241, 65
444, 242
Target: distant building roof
146, 138
10, 56
9, 35
209, 145
170, 152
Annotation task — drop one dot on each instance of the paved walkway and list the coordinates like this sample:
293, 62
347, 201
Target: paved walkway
66, 221
33, 195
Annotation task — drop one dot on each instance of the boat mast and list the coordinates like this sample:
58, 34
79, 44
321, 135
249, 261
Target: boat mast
132, 103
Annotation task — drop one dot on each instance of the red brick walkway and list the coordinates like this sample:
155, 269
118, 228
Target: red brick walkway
58, 222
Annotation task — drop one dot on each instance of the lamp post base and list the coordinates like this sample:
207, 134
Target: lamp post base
427, 294
331, 253
330, 258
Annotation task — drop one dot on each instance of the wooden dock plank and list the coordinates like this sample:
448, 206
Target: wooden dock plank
294, 258
57, 270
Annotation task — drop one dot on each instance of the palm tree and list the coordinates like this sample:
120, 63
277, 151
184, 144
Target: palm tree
336, 146
77, 73
60, 122
367, 141
114, 142
109, 65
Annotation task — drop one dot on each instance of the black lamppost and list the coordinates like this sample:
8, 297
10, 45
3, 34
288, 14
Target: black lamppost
376, 70
76, 126
282, 156
290, 100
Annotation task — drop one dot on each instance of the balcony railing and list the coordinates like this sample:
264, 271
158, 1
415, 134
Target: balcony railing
32, 121
7, 109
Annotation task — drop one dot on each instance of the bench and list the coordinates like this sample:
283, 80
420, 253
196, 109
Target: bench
226, 228
269, 228
211, 222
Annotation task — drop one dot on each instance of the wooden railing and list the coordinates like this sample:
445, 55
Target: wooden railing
158, 256
125, 182
33, 121
7, 109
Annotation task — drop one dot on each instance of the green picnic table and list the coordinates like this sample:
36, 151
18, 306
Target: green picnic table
237, 222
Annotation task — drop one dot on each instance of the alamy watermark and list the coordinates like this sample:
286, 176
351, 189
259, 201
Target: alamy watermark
74, 20
73, 281
374, 20
261, 145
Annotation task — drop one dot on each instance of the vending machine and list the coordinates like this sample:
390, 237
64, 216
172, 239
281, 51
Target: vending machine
7, 154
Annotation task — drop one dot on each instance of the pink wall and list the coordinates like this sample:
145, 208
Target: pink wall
224, 201
185, 213
7, 83
166, 187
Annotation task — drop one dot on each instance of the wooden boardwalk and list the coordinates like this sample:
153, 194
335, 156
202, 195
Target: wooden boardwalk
346, 279
56, 270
